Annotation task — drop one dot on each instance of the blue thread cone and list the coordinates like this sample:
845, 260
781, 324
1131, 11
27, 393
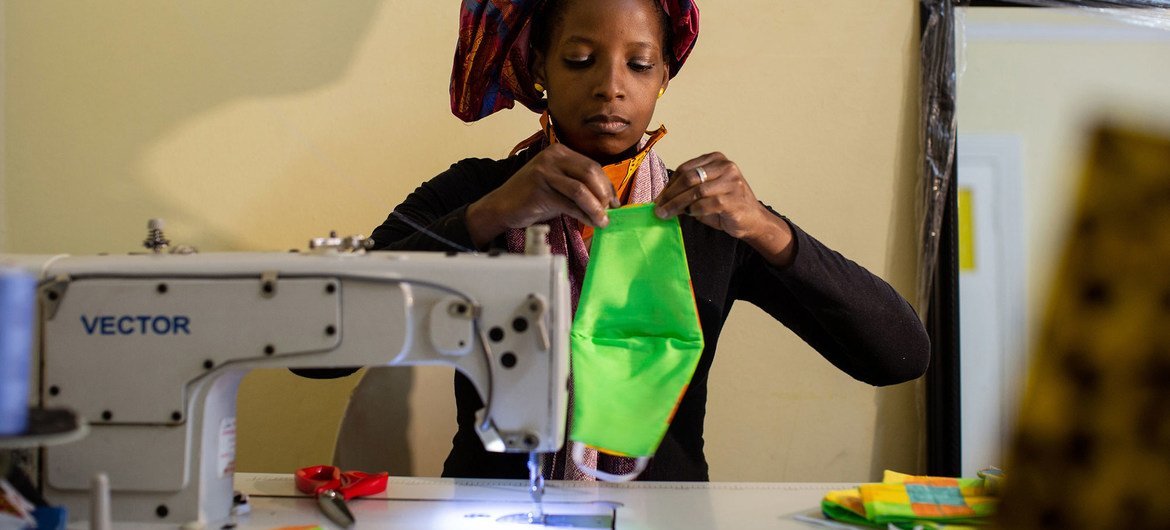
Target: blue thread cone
17, 303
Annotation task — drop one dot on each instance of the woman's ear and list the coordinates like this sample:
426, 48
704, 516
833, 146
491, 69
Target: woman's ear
537, 68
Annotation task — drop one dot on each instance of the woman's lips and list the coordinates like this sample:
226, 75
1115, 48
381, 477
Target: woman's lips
606, 124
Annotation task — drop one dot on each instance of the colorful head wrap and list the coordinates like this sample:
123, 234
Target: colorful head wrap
491, 59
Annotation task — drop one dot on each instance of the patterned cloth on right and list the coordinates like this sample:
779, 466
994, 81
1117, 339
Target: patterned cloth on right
907, 501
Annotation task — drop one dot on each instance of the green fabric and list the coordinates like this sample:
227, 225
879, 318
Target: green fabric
837, 512
636, 338
842, 514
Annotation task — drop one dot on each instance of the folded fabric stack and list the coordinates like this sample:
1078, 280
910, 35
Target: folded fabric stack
910, 502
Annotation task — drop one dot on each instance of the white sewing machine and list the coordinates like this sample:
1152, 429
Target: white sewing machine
150, 349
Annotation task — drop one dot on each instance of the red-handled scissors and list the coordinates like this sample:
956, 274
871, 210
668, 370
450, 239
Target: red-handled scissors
316, 480
333, 487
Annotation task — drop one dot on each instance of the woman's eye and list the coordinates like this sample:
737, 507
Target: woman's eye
641, 67
578, 62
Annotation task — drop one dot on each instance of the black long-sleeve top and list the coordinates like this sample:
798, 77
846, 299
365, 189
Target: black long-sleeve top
851, 317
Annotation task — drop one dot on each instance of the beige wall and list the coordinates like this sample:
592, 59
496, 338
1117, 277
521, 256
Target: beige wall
1048, 76
256, 125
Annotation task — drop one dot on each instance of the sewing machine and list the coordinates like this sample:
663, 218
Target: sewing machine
150, 349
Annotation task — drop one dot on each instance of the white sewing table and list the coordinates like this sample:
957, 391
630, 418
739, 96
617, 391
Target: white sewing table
413, 503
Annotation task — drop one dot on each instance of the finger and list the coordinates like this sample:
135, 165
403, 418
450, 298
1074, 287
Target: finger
569, 208
685, 194
680, 202
582, 198
680, 185
687, 175
707, 206
702, 160
582, 168
598, 182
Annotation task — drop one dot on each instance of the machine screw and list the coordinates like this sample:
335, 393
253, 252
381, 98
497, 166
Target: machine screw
269, 349
208, 364
54, 390
162, 288
508, 359
162, 511
330, 288
330, 330
496, 334
176, 415
520, 324
107, 415
155, 240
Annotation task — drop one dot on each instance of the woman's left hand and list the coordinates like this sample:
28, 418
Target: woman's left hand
712, 189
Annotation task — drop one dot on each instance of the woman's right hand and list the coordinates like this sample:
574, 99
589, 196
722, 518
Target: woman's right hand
556, 181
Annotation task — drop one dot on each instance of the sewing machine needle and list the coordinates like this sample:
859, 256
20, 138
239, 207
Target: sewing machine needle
536, 487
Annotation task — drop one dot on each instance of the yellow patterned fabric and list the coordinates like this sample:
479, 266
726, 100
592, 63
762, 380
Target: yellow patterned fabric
908, 501
1093, 445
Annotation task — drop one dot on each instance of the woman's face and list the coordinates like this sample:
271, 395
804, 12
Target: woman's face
603, 70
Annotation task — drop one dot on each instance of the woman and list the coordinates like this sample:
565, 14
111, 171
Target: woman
597, 68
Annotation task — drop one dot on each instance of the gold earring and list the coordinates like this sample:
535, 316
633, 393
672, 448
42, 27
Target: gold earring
661, 91
539, 87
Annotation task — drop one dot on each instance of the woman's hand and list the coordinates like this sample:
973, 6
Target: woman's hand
711, 189
556, 181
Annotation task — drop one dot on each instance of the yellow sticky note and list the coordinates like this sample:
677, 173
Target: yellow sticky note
966, 217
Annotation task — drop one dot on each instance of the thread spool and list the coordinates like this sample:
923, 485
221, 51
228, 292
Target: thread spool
17, 305
99, 503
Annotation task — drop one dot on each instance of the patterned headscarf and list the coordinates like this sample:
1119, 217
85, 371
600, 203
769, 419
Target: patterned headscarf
491, 59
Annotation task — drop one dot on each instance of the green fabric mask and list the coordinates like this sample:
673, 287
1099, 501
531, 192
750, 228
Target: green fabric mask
636, 338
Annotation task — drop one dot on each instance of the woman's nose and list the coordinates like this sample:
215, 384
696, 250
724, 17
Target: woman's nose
610, 83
